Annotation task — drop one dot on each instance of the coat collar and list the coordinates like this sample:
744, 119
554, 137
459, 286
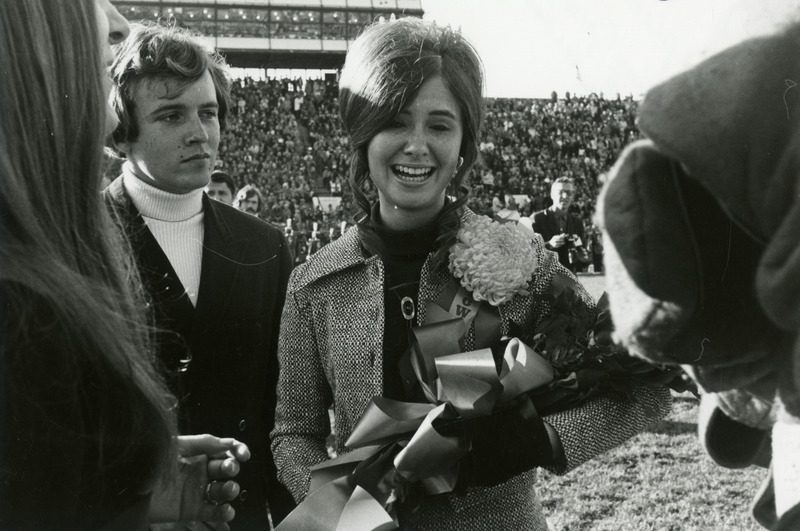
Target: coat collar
337, 256
347, 253
211, 211
344, 253
224, 249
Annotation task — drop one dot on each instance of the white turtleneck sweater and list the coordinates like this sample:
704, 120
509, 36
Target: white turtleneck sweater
176, 222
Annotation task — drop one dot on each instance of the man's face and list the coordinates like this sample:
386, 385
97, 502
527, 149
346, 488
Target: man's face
249, 205
562, 195
178, 134
220, 192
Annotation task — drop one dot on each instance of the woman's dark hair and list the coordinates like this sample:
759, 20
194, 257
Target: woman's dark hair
383, 72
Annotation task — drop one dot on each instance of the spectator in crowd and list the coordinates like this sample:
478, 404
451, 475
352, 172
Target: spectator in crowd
88, 437
248, 200
411, 102
561, 230
595, 248
221, 187
217, 324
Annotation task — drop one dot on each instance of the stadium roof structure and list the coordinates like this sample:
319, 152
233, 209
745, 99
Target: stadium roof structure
301, 34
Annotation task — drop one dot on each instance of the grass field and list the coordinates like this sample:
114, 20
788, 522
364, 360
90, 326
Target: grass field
660, 480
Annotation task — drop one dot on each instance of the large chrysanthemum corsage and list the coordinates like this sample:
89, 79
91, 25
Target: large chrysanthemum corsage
494, 261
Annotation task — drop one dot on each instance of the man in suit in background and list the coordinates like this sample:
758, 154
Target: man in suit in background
562, 231
221, 187
216, 277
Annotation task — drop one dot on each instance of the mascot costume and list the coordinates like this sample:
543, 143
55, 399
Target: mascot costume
701, 228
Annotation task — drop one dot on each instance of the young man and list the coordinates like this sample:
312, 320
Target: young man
562, 232
216, 277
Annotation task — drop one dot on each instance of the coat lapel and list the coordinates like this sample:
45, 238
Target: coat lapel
162, 282
223, 251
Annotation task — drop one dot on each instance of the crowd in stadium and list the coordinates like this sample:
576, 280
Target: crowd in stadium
283, 137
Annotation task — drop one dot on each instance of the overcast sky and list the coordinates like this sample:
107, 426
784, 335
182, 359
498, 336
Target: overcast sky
532, 47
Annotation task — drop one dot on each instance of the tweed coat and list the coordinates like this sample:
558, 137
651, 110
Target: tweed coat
331, 353
220, 356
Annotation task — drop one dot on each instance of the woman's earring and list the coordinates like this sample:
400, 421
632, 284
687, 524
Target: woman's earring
458, 166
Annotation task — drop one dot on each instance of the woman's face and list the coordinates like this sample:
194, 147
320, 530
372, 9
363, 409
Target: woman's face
413, 159
113, 28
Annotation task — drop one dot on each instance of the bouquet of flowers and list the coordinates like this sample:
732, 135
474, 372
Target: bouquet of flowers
585, 358
494, 261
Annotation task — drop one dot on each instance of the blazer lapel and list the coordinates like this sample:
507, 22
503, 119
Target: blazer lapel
161, 280
223, 251
163, 283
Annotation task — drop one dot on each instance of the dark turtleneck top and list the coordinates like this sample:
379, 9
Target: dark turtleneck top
504, 444
403, 253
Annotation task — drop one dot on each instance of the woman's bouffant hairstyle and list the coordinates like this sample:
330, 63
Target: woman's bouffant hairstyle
383, 72
167, 54
64, 269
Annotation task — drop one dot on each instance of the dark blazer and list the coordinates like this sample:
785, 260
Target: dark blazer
220, 356
544, 223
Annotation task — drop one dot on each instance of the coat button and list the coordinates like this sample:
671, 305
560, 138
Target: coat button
242, 425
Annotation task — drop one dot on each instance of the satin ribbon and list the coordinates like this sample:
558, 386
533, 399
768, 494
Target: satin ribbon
394, 438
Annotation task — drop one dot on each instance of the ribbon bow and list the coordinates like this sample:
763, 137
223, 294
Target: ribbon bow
397, 444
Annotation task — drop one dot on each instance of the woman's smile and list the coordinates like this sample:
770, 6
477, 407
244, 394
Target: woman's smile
412, 174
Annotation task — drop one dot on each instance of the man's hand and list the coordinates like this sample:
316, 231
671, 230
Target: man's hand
203, 486
557, 241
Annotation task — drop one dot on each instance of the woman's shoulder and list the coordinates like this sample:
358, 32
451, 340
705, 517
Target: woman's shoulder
33, 334
42, 381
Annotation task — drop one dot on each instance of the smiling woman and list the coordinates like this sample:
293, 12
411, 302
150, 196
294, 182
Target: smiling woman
414, 158
417, 260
